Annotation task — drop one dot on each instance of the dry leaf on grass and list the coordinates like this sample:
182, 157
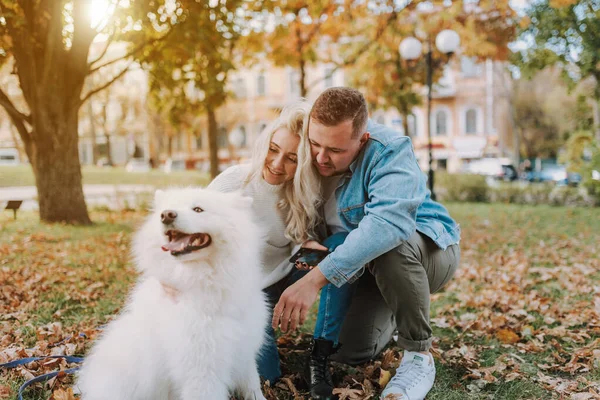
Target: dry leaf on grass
507, 336
63, 394
384, 377
349, 394
4, 392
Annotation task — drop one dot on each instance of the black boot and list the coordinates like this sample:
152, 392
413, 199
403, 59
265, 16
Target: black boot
317, 374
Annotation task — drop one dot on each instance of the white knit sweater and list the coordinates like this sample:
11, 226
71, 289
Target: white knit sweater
277, 248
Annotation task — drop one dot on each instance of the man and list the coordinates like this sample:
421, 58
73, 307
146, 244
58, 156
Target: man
407, 242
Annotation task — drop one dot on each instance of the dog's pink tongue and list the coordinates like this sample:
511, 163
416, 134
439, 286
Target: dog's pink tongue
176, 245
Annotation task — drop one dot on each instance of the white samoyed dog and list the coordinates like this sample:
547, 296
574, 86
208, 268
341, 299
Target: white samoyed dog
195, 321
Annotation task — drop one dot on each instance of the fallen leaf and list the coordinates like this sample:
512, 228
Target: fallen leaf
384, 377
507, 336
348, 394
62, 394
4, 392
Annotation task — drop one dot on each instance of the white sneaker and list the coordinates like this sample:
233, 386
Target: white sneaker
414, 378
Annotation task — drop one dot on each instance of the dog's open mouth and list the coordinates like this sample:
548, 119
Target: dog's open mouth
182, 243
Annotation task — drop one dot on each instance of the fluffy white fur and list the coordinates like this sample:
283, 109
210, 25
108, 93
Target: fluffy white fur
203, 343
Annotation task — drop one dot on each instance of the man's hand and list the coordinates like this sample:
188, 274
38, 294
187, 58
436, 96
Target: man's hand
309, 244
295, 302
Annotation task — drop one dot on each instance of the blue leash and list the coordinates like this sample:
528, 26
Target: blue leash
44, 377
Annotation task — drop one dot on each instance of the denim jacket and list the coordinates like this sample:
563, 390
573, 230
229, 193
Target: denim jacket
381, 201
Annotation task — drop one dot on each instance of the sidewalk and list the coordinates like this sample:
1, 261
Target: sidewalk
111, 196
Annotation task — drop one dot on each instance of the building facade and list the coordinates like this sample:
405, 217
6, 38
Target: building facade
469, 115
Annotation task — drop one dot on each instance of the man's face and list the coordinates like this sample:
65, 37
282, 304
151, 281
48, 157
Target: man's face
333, 148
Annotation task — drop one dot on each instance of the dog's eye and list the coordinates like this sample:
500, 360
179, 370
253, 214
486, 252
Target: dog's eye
197, 209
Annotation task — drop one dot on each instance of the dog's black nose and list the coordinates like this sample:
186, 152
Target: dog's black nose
168, 216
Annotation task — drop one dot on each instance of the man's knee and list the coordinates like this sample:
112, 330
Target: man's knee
361, 349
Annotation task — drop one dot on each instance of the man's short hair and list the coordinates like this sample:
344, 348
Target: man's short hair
339, 104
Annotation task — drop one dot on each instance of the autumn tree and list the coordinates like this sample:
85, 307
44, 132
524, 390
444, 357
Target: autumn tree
485, 29
547, 112
49, 42
301, 34
188, 72
567, 33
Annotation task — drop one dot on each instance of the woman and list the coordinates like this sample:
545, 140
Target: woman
287, 194
284, 186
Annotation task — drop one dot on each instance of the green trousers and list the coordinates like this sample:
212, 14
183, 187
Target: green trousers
394, 294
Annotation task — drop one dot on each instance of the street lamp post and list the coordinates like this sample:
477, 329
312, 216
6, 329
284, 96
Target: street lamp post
447, 42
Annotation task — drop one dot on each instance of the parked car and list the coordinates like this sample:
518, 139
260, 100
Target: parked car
497, 168
103, 162
557, 174
9, 157
173, 165
138, 165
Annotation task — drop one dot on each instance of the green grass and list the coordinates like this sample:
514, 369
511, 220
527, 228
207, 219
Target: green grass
52, 273
22, 175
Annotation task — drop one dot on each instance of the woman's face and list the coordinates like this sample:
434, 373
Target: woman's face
281, 162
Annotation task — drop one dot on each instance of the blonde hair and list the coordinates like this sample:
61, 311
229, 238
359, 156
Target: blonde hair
301, 195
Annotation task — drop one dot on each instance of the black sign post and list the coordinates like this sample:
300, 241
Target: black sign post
14, 205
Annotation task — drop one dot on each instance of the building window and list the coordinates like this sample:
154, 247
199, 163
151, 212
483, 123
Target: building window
261, 127
294, 83
222, 142
471, 121
328, 77
244, 137
441, 123
469, 67
261, 85
240, 88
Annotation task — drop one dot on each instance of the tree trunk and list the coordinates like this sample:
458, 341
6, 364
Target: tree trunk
302, 82
57, 170
212, 142
170, 146
596, 116
93, 132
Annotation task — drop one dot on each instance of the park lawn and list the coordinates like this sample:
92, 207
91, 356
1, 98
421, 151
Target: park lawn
519, 321
22, 175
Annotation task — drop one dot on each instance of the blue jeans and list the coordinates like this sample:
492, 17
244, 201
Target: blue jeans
333, 306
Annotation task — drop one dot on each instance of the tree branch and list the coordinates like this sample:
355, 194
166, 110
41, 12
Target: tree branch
17, 118
11, 109
353, 58
107, 84
108, 43
130, 53
316, 27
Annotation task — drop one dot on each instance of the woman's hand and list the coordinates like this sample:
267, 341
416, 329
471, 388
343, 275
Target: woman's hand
313, 244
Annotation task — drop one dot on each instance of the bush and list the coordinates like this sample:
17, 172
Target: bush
461, 187
583, 156
521, 193
475, 188
572, 196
